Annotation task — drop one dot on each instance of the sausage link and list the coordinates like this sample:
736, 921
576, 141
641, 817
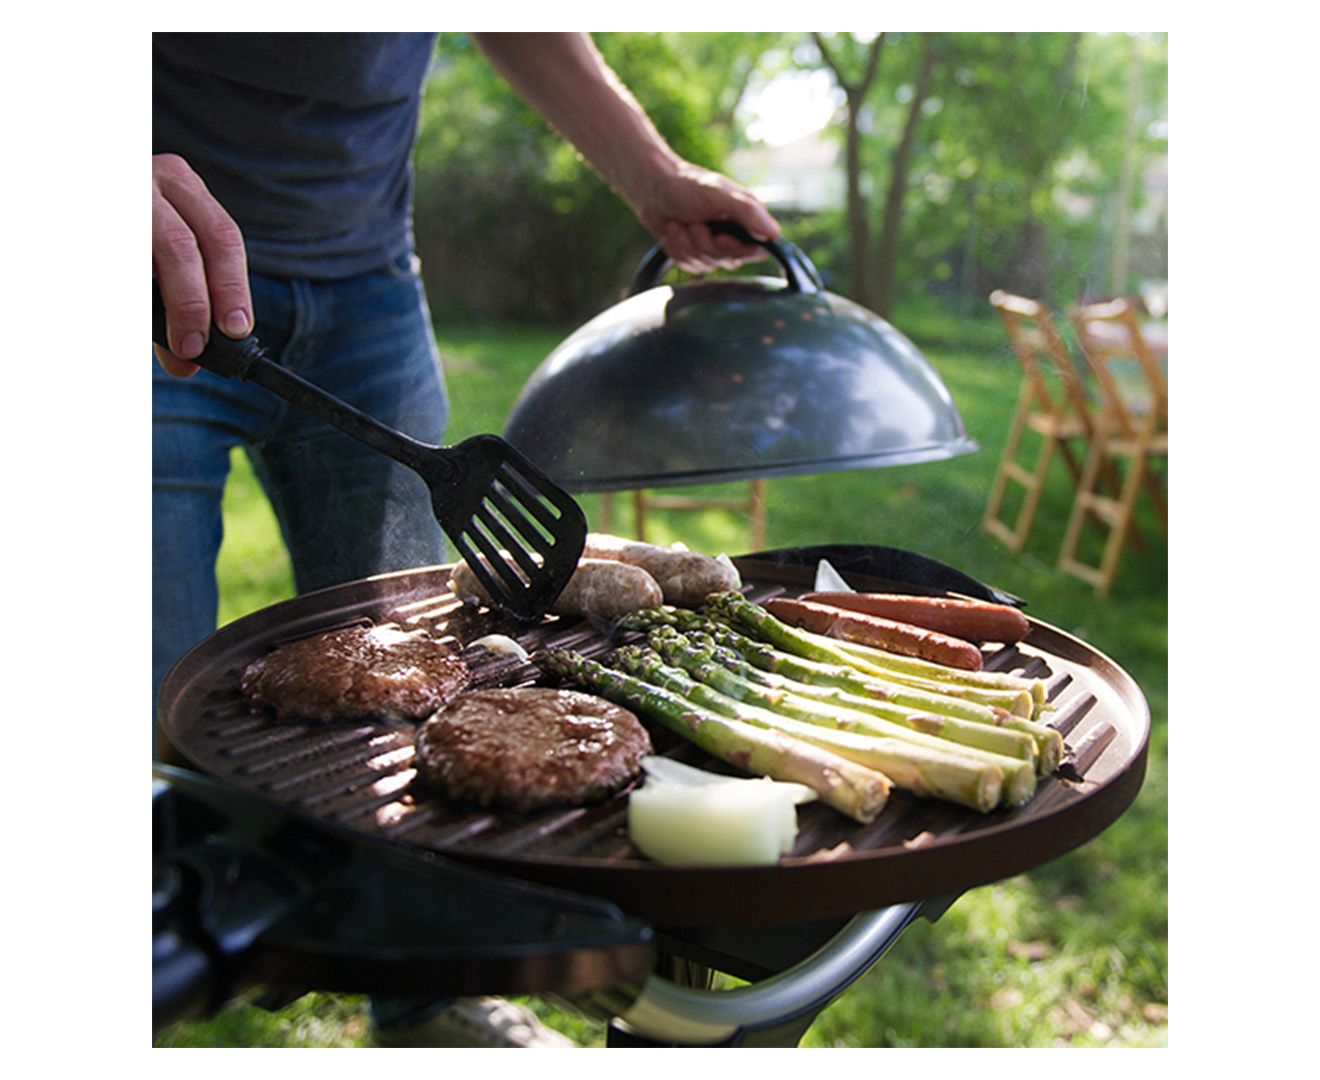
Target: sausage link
971, 620
876, 632
599, 587
686, 577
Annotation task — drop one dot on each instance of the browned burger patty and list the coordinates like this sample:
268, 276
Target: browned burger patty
356, 674
527, 748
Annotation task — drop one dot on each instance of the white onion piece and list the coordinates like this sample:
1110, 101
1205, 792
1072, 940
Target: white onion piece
675, 772
683, 815
727, 562
670, 771
500, 643
829, 580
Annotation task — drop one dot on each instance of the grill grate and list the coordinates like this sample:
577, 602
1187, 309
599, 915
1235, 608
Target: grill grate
362, 775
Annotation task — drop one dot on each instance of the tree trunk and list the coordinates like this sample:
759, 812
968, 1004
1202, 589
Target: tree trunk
886, 262
859, 224
1127, 177
1031, 264
858, 216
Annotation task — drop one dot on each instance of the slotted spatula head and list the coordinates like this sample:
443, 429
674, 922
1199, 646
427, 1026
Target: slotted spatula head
520, 534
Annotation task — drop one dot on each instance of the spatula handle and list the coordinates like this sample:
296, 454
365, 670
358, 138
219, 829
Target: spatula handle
246, 359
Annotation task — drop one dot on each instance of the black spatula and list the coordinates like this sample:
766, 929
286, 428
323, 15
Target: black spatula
519, 532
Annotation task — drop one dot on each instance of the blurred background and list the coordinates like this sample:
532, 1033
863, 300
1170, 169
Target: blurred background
934, 166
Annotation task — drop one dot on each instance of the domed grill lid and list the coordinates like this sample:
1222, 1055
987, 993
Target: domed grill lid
731, 379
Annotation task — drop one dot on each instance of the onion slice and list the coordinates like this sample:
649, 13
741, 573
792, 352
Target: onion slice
503, 644
685, 815
830, 580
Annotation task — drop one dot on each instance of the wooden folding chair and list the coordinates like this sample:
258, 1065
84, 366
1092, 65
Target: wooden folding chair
1052, 404
1131, 430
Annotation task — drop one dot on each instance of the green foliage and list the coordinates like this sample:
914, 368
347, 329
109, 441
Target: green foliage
502, 205
1019, 122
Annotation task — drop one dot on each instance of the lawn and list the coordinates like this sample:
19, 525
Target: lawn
1074, 953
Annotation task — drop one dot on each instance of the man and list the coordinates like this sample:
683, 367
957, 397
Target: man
281, 203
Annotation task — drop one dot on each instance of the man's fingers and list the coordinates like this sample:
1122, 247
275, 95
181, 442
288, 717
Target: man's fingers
176, 263
730, 247
682, 245
199, 259
225, 258
698, 250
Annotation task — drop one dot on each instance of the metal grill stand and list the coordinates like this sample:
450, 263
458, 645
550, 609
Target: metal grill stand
797, 970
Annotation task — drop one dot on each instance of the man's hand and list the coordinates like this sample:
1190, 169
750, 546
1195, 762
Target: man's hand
676, 203
197, 256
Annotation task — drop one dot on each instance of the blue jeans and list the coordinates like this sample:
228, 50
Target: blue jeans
345, 511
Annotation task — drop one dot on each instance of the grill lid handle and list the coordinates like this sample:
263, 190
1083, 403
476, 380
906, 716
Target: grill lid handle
799, 273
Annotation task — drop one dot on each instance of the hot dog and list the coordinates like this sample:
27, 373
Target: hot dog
600, 587
686, 577
876, 632
972, 620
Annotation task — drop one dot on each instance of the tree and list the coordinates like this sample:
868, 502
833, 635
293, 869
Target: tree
1023, 120
840, 54
891, 223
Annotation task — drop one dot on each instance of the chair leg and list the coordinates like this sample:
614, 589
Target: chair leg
1087, 503
991, 522
1035, 488
1156, 493
639, 510
754, 506
1114, 485
1114, 481
1122, 522
757, 508
1116, 512
1015, 535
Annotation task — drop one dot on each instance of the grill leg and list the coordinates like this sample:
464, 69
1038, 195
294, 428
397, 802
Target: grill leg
775, 1012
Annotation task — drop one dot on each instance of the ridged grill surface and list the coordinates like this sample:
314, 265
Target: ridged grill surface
361, 775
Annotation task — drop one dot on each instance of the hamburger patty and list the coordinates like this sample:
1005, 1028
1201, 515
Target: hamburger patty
527, 748
359, 673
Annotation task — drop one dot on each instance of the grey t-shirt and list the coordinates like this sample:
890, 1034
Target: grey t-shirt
306, 139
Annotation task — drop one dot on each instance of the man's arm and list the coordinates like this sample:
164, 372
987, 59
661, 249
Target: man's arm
565, 79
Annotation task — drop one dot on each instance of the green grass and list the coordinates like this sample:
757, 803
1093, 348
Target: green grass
1074, 953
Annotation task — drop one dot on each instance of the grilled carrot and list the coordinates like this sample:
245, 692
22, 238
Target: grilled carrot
972, 620
877, 632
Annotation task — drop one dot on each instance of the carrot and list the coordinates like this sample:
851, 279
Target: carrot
972, 620
877, 632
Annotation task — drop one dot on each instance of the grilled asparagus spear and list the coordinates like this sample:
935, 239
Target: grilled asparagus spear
855, 790
1001, 687
818, 661
1018, 765
967, 700
850, 679
929, 773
